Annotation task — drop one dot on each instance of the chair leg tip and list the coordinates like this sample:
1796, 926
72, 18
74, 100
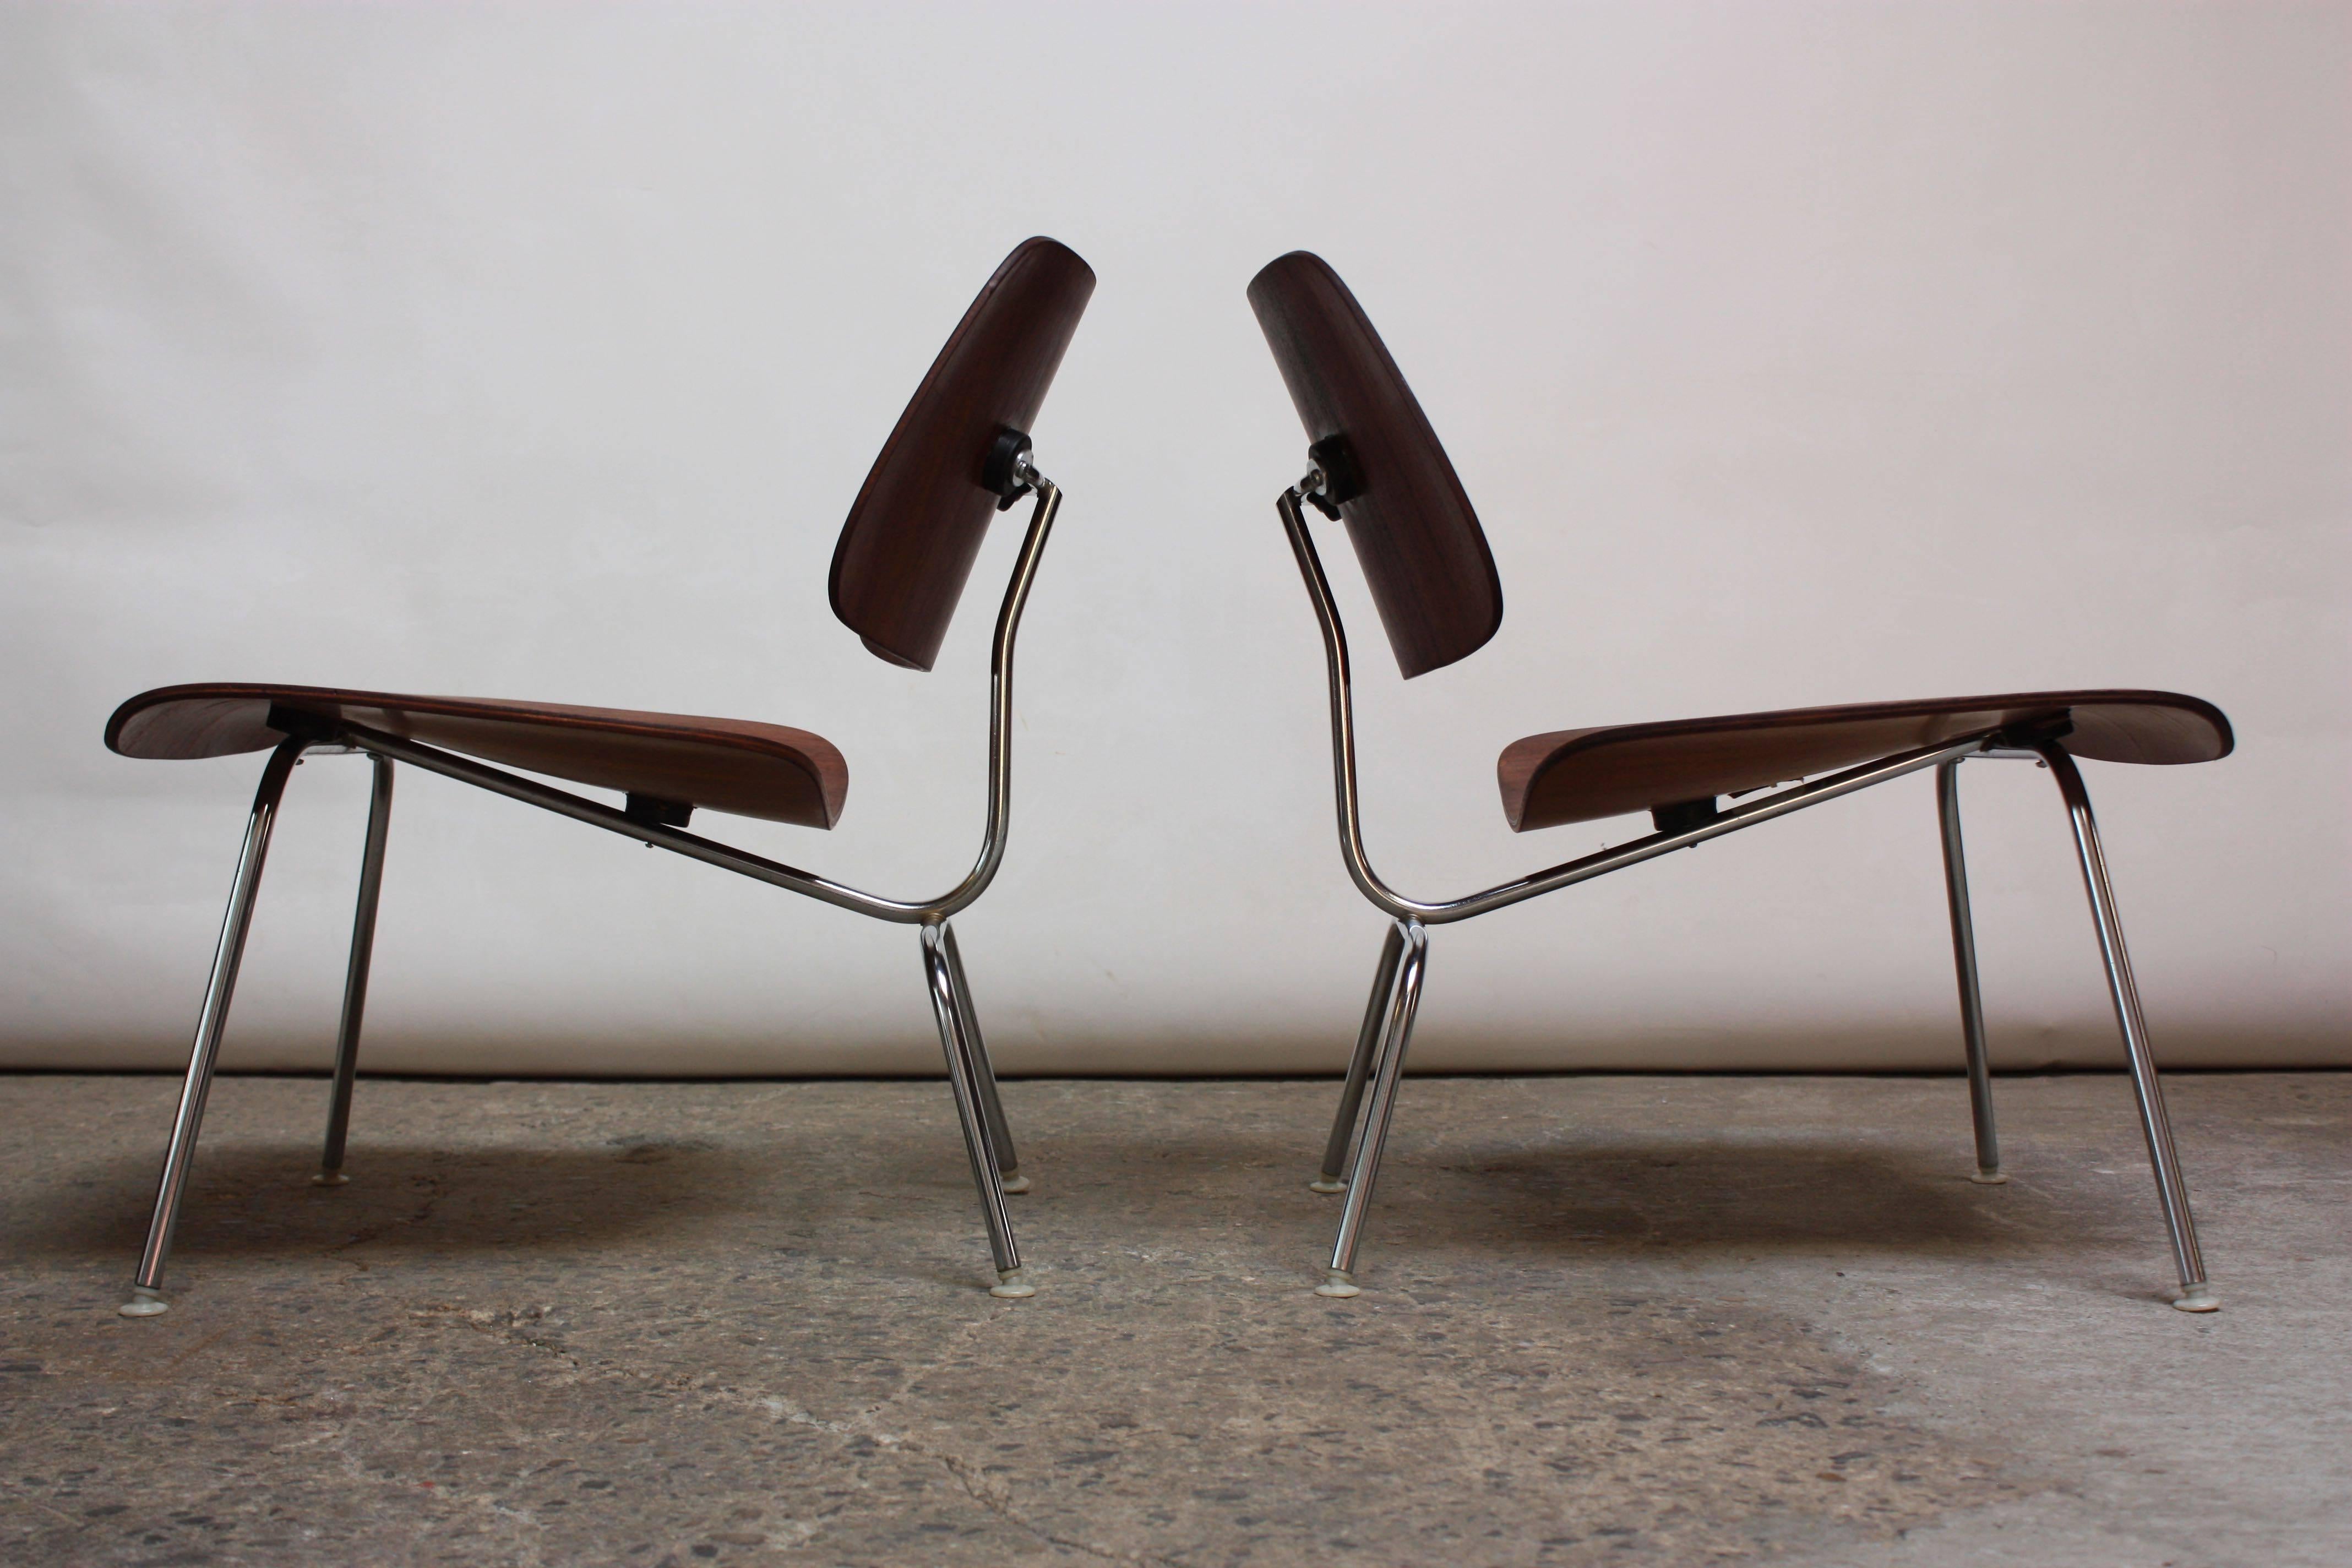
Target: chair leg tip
1011, 1287
1327, 1184
1993, 1178
330, 1179
1014, 1183
1339, 1284
143, 1303
2197, 1298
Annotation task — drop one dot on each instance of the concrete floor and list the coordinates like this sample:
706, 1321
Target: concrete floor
1605, 1321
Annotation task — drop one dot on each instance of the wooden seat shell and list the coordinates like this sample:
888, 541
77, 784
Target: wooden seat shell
1577, 775
733, 765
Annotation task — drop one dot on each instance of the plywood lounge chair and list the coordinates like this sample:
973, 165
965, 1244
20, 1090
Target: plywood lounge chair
1377, 466
961, 454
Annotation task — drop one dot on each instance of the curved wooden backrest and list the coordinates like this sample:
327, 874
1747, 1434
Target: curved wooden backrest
917, 525
1424, 555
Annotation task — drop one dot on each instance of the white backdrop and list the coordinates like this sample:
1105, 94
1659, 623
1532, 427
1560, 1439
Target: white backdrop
1791, 354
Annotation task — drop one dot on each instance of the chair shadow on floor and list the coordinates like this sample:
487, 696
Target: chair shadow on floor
256, 1200
1453, 1197
1623, 1197
1691, 1196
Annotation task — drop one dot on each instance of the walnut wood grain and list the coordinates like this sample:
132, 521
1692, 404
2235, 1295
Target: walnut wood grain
1424, 555
919, 520
722, 764
1577, 775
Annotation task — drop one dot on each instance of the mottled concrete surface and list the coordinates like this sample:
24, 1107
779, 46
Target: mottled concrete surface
1613, 1319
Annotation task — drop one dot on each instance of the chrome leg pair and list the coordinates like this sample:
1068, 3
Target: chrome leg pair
2156, 1126
987, 1140
1380, 1056
1396, 993
146, 1290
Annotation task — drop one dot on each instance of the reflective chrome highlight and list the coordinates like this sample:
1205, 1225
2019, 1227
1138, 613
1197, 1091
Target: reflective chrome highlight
1964, 966
355, 977
1359, 1066
2171, 1192
967, 1062
211, 1019
991, 1109
1404, 999
808, 883
1534, 885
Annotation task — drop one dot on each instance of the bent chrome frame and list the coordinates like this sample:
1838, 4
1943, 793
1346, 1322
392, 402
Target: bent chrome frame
1386, 1031
996, 1169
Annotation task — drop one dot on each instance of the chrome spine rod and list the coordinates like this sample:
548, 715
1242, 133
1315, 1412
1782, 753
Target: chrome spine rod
926, 911
999, 826
1538, 883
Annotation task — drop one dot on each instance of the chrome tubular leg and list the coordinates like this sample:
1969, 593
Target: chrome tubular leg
1402, 1000
1359, 1066
1964, 965
355, 978
991, 1109
938, 979
2172, 1193
147, 1285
